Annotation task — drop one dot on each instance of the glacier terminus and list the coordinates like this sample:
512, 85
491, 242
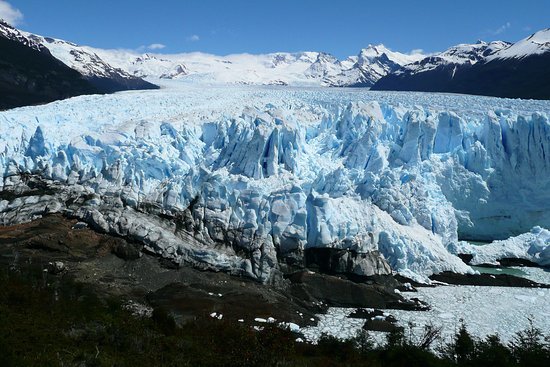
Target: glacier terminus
245, 179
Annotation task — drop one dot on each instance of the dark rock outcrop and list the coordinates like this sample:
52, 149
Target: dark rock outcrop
499, 280
342, 261
338, 292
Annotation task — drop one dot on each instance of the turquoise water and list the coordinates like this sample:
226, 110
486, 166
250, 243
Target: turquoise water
502, 270
478, 243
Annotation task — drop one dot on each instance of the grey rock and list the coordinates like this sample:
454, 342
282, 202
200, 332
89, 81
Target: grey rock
56, 267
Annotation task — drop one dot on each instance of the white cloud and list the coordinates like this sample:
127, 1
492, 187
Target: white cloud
9, 13
501, 29
156, 46
193, 38
151, 47
417, 51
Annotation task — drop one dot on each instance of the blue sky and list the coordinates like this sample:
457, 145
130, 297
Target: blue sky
234, 26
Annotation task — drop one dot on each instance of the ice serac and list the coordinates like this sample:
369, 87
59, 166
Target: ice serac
242, 179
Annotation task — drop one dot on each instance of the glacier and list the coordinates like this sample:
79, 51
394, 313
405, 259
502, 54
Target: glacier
241, 178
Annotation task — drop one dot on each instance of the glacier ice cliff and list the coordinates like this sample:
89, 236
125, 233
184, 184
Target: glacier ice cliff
241, 178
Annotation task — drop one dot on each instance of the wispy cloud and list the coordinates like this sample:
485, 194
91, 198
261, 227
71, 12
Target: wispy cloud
10, 14
193, 38
156, 46
151, 47
501, 29
417, 51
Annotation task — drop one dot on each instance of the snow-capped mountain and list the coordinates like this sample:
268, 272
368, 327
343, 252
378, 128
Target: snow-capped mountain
502, 69
99, 73
364, 70
303, 68
124, 68
375, 62
11, 33
454, 57
29, 74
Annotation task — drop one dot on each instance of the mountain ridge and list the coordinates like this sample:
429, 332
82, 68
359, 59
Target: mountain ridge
299, 68
102, 77
499, 69
463, 68
30, 75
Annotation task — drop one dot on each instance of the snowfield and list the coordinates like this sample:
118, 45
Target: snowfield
248, 174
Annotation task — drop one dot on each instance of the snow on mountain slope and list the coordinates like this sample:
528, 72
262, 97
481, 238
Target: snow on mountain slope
371, 64
298, 69
281, 68
30, 75
376, 52
498, 69
14, 34
78, 58
536, 44
237, 178
459, 55
374, 62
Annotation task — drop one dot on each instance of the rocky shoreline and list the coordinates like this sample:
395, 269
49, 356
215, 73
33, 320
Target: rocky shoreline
112, 265
123, 268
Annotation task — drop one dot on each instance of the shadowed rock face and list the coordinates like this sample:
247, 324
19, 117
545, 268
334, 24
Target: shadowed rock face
338, 292
499, 280
338, 261
498, 68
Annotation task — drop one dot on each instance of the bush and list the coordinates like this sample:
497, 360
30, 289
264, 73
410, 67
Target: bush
491, 352
461, 349
530, 348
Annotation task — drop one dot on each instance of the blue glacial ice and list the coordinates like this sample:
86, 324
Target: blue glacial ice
248, 174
